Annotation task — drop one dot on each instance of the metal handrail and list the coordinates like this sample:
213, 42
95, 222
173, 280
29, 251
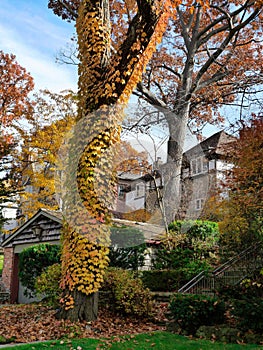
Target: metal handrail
194, 282
236, 258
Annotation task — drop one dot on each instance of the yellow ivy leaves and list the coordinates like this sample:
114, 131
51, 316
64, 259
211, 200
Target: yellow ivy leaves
83, 265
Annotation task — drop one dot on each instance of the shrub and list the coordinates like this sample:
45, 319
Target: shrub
179, 259
191, 245
192, 311
33, 261
249, 314
127, 249
203, 233
127, 293
48, 283
165, 280
162, 280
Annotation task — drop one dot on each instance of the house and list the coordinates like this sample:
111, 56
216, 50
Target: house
204, 167
45, 227
137, 193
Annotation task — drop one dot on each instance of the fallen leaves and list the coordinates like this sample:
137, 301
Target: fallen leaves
36, 322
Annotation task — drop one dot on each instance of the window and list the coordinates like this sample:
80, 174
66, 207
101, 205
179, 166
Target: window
139, 190
199, 165
194, 166
121, 191
199, 204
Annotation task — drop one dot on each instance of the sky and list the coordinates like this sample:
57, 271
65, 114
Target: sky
31, 31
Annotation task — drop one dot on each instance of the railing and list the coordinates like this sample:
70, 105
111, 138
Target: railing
230, 273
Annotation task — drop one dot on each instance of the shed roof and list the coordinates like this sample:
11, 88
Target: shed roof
151, 232
53, 215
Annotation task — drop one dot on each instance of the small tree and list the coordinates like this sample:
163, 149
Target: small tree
191, 245
242, 212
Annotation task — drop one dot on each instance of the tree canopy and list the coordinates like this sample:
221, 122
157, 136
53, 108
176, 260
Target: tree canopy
242, 211
15, 106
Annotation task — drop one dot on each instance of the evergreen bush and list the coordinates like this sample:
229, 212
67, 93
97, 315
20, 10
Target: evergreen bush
33, 261
190, 311
249, 314
164, 280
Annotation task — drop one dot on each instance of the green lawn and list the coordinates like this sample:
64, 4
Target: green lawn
157, 340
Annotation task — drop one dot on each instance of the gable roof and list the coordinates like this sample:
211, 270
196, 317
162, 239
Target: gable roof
50, 214
214, 145
151, 232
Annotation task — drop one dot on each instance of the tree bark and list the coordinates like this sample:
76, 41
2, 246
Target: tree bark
85, 308
171, 171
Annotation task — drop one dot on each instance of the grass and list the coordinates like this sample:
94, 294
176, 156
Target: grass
1, 263
157, 341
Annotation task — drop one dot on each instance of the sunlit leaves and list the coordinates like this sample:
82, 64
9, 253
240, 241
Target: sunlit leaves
15, 85
53, 117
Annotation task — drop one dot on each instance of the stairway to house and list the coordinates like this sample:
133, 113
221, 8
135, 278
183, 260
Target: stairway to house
4, 295
231, 272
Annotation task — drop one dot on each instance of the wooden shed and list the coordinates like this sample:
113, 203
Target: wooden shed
43, 227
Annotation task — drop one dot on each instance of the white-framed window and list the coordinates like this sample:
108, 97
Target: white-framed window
199, 204
199, 165
139, 191
121, 191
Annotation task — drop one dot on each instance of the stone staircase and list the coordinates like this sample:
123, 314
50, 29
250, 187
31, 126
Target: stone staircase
4, 295
231, 272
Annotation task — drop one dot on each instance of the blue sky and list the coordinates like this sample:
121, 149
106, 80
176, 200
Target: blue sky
31, 31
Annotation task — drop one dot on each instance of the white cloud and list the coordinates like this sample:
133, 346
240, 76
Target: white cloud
35, 39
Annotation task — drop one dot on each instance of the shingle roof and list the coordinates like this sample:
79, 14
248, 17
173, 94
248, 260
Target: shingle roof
213, 145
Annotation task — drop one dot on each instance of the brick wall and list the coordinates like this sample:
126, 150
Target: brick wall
8, 267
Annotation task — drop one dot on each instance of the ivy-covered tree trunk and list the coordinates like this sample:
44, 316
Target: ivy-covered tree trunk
104, 80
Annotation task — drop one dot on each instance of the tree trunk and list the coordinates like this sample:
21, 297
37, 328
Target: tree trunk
104, 80
171, 171
85, 307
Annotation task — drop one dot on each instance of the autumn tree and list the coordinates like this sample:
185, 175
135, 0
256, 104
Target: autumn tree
242, 211
110, 68
131, 160
15, 106
211, 56
34, 164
